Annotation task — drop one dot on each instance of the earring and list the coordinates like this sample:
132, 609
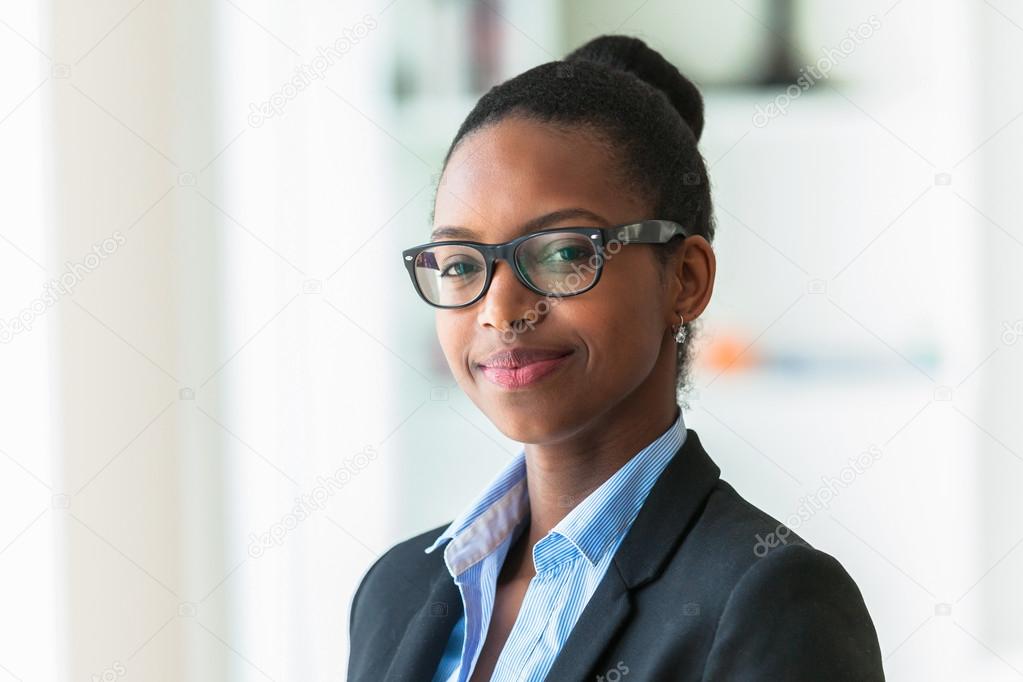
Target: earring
679, 329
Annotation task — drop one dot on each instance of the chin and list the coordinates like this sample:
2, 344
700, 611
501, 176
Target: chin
529, 422
526, 434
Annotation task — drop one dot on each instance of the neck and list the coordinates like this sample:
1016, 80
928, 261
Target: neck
560, 475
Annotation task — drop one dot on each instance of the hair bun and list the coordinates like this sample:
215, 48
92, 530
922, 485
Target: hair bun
634, 56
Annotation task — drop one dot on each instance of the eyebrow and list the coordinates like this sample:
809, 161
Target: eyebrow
538, 223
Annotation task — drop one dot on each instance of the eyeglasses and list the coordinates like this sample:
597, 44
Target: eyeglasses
560, 262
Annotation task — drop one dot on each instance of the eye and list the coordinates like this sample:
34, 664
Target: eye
463, 269
568, 252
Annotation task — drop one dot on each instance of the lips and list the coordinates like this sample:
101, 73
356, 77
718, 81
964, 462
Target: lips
515, 358
518, 368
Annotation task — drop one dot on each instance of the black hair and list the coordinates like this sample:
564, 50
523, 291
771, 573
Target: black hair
643, 112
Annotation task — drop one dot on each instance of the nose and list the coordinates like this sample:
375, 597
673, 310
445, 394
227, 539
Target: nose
508, 305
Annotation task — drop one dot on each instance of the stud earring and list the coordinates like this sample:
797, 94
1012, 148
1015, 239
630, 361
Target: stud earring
679, 329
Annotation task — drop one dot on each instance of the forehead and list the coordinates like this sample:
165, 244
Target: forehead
501, 177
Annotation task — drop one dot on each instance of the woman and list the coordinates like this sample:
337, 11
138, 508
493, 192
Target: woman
570, 257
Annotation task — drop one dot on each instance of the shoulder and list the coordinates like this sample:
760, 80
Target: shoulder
749, 549
728, 536
795, 614
784, 609
404, 569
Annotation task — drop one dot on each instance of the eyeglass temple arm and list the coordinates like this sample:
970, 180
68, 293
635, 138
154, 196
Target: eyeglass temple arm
648, 232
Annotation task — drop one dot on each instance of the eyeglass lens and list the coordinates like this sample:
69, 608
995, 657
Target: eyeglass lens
557, 263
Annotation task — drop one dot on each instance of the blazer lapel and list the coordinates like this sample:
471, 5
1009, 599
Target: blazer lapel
662, 523
604, 614
419, 652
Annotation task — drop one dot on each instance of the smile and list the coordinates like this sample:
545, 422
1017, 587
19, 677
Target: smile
513, 378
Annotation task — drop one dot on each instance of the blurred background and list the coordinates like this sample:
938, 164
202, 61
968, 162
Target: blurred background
221, 401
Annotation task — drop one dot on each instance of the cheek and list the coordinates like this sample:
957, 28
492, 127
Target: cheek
622, 325
453, 339
623, 338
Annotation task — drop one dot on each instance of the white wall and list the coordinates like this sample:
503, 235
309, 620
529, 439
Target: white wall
208, 381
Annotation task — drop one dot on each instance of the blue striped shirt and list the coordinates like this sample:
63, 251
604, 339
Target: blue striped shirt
570, 561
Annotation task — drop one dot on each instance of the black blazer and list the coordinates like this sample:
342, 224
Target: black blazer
699, 589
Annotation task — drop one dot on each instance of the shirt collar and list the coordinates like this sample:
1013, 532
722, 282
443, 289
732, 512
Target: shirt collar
602, 518
591, 527
488, 519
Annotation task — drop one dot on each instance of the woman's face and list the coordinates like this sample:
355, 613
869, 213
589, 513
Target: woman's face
499, 179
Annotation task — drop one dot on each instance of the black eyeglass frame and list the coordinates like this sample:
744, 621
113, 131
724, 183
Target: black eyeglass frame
643, 232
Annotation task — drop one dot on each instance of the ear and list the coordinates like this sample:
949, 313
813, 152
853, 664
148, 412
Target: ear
690, 276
